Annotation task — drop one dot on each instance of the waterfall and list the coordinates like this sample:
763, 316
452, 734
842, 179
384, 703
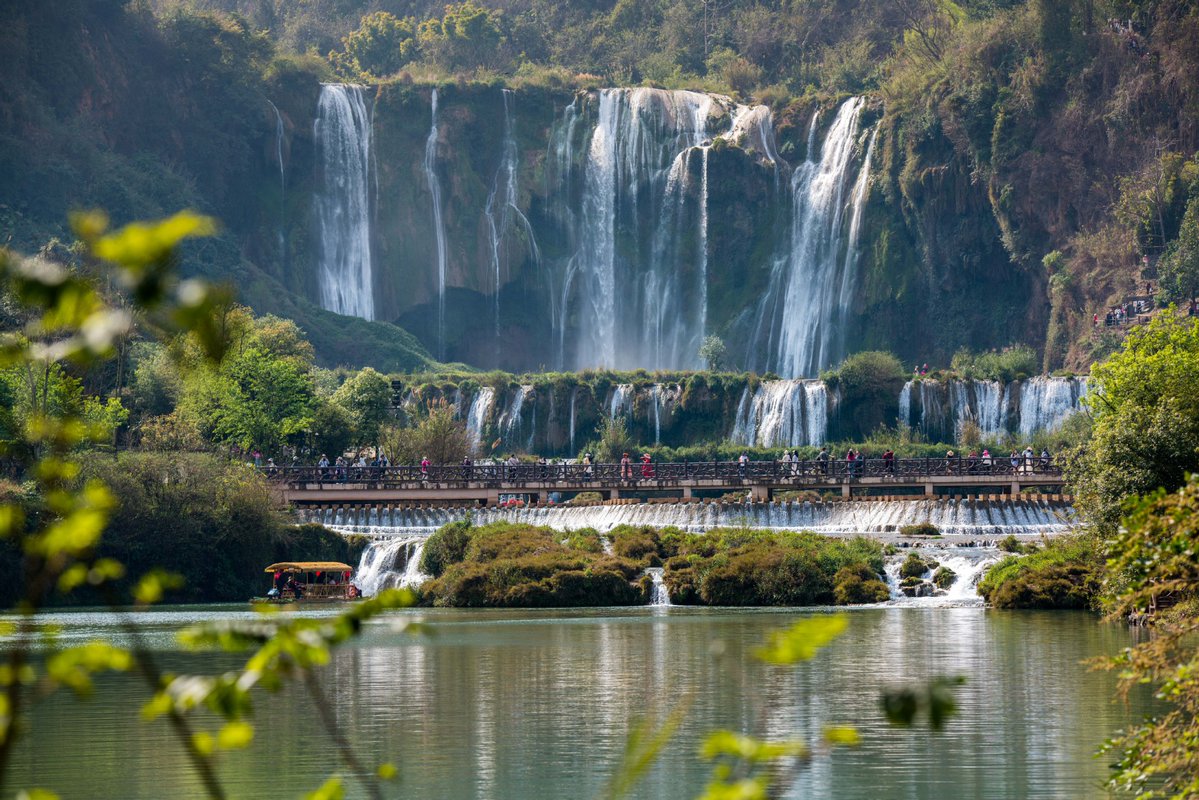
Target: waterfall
434, 182
656, 395
502, 206
378, 568
279, 132
783, 414
622, 401
659, 596
476, 418
343, 138
979, 520
819, 268
512, 419
1046, 402
574, 396
639, 191
1021, 408
968, 564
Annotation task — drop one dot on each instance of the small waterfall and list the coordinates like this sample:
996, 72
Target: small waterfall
656, 396
390, 563
343, 137
1046, 402
968, 565
434, 182
659, 596
991, 408
622, 401
905, 405
502, 207
279, 134
480, 412
512, 419
783, 414
819, 268
574, 397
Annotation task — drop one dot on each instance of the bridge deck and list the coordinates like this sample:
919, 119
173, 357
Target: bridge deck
762, 479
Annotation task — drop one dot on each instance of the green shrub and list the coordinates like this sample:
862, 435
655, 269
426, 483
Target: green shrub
446, 546
914, 566
1065, 574
639, 544
944, 577
920, 529
859, 584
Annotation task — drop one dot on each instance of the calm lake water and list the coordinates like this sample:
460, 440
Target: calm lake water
537, 704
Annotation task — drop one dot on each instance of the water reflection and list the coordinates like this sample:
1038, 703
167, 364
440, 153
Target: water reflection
508, 704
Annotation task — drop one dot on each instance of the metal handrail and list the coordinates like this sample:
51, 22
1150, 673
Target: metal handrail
608, 474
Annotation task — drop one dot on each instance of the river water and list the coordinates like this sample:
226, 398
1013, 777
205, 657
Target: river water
537, 704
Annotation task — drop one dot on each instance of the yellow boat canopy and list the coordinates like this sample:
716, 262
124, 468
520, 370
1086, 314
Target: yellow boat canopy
309, 566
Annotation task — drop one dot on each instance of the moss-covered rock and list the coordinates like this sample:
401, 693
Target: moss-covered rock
859, 584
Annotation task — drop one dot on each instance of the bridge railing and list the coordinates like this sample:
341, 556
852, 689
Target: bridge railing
725, 472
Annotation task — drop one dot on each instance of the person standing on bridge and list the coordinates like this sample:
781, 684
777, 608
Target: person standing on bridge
466, 467
742, 465
647, 466
1044, 458
626, 468
822, 459
588, 460
889, 461
424, 468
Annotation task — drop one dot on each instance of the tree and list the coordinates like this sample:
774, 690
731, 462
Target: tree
1179, 267
437, 436
332, 429
713, 352
467, 37
1146, 420
1150, 561
382, 45
366, 396
266, 401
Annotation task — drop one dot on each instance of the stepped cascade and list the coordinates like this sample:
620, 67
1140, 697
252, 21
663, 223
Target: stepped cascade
343, 134
982, 519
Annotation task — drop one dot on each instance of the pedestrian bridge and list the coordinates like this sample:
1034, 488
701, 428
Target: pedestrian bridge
488, 484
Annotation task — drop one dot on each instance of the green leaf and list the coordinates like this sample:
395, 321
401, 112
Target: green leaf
802, 640
331, 790
387, 772
153, 585
139, 244
204, 743
235, 735
842, 735
36, 794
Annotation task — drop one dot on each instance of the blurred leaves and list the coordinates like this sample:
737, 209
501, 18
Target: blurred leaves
802, 640
935, 700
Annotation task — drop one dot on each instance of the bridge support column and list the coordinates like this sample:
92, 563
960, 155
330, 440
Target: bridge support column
687, 494
928, 490
759, 494
845, 491
1015, 489
614, 494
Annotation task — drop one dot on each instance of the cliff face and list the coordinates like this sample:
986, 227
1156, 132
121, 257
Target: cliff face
620, 227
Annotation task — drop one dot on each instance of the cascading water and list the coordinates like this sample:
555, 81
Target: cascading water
968, 565
279, 135
574, 399
644, 226
1046, 402
343, 137
430, 165
622, 401
782, 414
818, 274
502, 210
480, 411
659, 595
979, 520
1020, 408
513, 418
380, 565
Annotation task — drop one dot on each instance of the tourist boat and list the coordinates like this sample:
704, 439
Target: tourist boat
309, 581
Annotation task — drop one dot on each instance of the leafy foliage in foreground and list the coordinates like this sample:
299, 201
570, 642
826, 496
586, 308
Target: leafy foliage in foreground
1152, 567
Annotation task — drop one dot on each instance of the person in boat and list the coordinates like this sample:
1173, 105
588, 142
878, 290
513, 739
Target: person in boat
294, 588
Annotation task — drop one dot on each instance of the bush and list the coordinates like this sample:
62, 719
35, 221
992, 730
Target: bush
920, 529
859, 584
1063, 575
944, 577
914, 566
446, 546
639, 544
